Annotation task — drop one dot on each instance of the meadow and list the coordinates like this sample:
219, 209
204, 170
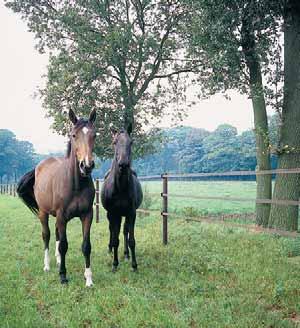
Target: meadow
240, 189
207, 276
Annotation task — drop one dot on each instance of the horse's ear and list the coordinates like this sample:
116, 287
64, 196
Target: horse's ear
73, 118
129, 128
92, 117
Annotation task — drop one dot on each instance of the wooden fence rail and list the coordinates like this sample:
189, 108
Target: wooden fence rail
165, 195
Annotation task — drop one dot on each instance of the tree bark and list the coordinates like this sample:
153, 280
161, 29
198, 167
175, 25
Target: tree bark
263, 182
287, 186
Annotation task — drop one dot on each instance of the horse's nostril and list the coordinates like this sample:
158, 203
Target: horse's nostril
81, 165
123, 165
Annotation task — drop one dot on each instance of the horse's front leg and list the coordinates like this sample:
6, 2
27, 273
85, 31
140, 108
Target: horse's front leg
131, 222
57, 254
86, 221
114, 227
61, 224
125, 233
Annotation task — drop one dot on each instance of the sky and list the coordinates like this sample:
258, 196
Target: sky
21, 71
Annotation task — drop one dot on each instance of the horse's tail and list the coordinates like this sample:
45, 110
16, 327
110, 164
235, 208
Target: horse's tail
25, 191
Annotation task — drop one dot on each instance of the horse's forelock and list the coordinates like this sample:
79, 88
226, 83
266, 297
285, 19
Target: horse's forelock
81, 123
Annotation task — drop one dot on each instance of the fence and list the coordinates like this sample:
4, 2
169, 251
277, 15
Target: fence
165, 195
10, 189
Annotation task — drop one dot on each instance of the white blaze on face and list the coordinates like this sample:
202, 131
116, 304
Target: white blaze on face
46, 260
57, 254
85, 130
88, 277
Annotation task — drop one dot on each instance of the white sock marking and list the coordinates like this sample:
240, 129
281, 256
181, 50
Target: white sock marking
88, 277
57, 254
46, 260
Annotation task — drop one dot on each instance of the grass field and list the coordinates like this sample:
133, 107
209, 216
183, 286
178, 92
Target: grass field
240, 189
208, 276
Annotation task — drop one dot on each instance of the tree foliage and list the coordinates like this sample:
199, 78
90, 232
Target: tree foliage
113, 56
194, 150
16, 157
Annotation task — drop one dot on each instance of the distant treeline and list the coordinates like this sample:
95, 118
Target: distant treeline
193, 150
16, 157
183, 150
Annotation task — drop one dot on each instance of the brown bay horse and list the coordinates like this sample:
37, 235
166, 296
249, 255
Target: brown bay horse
63, 187
121, 195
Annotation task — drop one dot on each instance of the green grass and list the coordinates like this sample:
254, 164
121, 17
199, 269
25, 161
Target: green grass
208, 276
240, 189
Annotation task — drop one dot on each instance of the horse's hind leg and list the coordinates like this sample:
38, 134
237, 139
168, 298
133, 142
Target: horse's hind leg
125, 232
110, 248
62, 248
131, 222
46, 238
86, 247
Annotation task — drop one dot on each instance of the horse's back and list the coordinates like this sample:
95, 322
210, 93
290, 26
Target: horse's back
48, 164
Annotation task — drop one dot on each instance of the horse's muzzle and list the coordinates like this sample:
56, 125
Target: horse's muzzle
86, 170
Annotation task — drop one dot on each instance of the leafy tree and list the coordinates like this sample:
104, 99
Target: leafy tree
16, 157
112, 55
238, 44
221, 150
191, 150
288, 186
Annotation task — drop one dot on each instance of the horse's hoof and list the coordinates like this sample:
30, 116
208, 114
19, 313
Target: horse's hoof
64, 280
126, 258
46, 268
89, 283
134, 269
114, 269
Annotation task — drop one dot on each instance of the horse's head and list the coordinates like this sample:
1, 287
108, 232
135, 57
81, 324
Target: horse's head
122, 145
82, 141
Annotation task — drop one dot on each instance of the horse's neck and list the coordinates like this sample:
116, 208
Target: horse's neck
120, 182
74, 174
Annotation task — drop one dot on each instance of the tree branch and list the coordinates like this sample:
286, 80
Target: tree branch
186, 70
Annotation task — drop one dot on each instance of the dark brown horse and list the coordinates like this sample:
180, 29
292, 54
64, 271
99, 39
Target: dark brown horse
121, 195
63, 187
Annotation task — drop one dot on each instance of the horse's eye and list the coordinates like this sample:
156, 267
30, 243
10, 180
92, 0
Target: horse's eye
74, 135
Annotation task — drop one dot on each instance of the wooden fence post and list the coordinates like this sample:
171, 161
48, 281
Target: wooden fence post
97, 200
164, 212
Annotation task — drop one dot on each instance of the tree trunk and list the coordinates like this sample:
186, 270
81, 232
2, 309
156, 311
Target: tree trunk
263, 182
287, 186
